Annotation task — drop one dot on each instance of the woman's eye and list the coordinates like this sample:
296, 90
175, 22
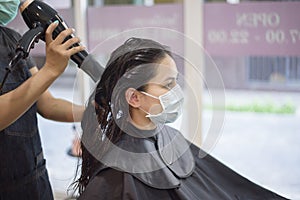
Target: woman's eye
169, 85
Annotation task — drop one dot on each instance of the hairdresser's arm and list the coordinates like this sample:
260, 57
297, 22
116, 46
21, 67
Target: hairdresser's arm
57, 109
13, 104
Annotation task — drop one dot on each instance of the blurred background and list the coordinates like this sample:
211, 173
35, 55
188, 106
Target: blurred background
255, 47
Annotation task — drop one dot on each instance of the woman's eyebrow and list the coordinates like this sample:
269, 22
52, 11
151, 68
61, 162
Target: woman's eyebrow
170, 78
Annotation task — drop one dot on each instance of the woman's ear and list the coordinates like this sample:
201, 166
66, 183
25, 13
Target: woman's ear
132, 97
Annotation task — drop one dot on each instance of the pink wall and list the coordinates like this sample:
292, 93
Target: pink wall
153, 22
253, 28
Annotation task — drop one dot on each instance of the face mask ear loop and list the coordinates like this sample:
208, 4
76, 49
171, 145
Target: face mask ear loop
149, 95
148, 114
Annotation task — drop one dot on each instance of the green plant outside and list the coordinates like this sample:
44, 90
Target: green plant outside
286, 108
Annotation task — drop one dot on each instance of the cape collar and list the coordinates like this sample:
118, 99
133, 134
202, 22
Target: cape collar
159, 161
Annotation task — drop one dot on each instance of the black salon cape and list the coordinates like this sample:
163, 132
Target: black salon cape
192, 178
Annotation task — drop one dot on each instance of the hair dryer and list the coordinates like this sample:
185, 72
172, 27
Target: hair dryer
38, 16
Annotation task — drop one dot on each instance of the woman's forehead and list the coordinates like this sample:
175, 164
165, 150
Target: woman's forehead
166, 69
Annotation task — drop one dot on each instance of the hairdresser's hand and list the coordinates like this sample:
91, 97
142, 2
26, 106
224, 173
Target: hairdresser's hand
58, 52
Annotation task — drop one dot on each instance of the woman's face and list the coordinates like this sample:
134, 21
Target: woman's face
164, 80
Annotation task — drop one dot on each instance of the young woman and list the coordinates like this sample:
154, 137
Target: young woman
127, 150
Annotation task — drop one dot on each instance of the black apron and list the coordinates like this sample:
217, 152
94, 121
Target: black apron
23, 174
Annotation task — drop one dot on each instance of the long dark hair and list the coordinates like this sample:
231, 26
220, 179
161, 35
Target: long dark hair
131, 65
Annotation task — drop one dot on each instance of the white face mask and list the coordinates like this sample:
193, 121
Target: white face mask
171, 103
